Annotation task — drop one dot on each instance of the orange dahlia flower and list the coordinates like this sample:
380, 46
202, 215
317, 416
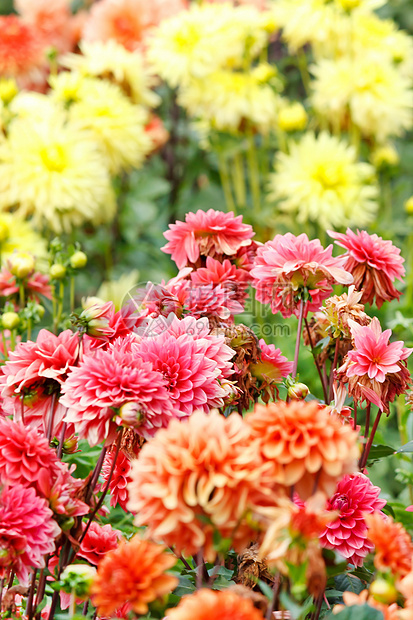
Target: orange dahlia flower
219, 605
308, 446
390, 612
394, 548
134, 572
199, 476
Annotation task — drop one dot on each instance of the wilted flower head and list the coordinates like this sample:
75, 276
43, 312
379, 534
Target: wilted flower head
308, 447
135, 572
375, 264
354, 497
287, 265
196, 477
340, 308
393, 545
220, 605
27, 531
206, 233
272, 366
375, 363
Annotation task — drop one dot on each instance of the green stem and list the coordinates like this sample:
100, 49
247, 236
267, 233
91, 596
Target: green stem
303, 67
298, 339
59, 306
226, 183
254, 173
72, 293
29, 329
239, 180
12, 339
22, 296
3, 335
72, 606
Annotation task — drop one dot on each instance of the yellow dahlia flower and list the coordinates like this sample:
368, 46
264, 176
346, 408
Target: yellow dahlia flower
18, 235
54, 171
231, 98
117, 124
66, 87
378, 97
321, 181
111, 60
206, 38
32, 105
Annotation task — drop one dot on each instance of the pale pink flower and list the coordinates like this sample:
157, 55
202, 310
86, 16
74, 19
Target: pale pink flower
98, 541
33, 376
100, 385
375, 264
128, 21
50, 19
287, 265
27, 531
206, 233
375, 363
354, 497
273, 365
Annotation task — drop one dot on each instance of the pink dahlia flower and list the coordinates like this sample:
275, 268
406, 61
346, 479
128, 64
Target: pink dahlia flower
105, 325
198, 329
27, 459
128, 21
288, 264
375, 364
354, 497
374, 263
98, 541
208, 300
120, 478
192, 377
224, 273
34, 373
206, 233
102, 384
36, 284
273, 366
27, 531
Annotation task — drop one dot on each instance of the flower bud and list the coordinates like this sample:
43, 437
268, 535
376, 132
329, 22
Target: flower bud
130, 414
78, 260
22, 264
70, 445
383, 591
10, 320
385, 156
77, 578
408, 205
8, 90
40, 310
57, 271
4, 232
292, 117
96, 319
298, 391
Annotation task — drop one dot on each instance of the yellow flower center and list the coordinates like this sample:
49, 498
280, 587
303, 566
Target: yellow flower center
329, 175
54, 158
188, 38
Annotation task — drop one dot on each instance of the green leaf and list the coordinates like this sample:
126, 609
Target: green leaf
378, 452
408, 447
297, 611
358, 612
265, 589
349, 583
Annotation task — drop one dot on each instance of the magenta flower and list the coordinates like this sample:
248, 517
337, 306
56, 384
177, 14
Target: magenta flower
206, 233
120, 478
101, 384
34, 372
354, 497
27, 531
374, 263
288, 264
